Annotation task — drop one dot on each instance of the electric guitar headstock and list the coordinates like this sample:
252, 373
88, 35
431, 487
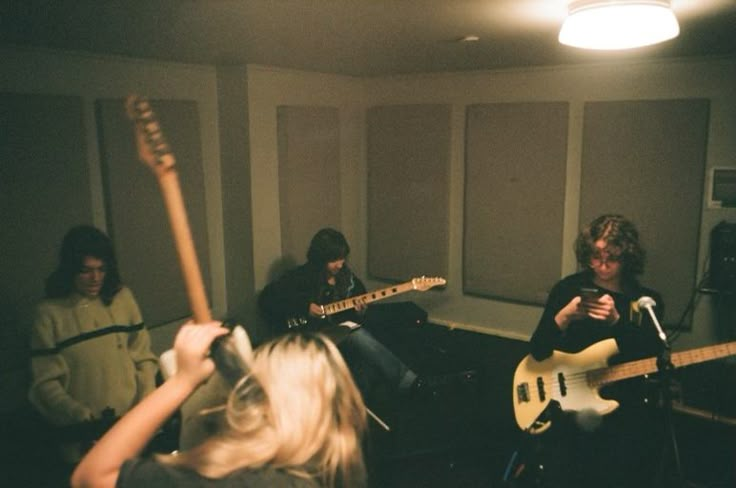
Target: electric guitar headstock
153, 149
424, 283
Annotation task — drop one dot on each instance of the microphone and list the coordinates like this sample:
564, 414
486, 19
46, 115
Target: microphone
648, 303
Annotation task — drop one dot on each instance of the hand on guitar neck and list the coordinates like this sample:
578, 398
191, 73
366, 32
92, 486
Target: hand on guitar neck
320, 312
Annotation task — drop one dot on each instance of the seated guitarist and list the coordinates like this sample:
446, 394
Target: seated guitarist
296, 299
597, 303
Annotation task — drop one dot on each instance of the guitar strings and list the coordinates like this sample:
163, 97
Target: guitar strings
598, 377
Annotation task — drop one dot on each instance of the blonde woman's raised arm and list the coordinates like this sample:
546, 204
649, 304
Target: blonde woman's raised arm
101, 466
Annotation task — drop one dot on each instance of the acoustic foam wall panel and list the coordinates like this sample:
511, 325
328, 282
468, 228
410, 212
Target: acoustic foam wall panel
515, 161
408, 191
646, 159
309, 175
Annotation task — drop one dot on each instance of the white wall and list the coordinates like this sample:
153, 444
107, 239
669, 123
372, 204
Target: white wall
48, 72
715, 80
268, 88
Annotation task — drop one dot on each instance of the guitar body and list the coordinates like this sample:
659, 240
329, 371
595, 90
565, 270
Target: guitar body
561, 377
573, 380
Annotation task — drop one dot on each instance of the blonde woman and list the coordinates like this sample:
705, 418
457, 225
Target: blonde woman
295, 420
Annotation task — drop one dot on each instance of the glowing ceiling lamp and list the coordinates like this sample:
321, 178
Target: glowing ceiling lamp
618, 24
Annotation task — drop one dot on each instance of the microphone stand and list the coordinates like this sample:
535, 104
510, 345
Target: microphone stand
666, 368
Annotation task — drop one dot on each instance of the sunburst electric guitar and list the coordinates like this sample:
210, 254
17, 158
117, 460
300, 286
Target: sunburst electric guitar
574, 380
416, 284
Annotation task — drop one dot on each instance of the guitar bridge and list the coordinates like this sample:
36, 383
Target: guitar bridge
296, 322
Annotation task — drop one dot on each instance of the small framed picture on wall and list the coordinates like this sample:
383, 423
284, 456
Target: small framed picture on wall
722, 188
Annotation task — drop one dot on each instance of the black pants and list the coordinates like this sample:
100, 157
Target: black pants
623, 451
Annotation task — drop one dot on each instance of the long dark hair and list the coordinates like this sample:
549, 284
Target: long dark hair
330, 245
327, 245
615, 230
79, 242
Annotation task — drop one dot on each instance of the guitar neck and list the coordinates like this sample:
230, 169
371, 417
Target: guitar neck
349, 303
155, 152
193, 282
600, 377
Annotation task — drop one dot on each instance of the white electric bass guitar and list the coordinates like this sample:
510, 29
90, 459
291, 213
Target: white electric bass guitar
573, 380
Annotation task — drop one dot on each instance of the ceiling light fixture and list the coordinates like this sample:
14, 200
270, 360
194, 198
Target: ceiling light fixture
618, 24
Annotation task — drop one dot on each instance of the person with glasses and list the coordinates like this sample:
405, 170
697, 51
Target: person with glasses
596, 303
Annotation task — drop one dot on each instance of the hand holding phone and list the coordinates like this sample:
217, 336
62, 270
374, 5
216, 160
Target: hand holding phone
589, 294
598, 305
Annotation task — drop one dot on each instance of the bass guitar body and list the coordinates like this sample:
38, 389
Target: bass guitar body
561, 377
574, 380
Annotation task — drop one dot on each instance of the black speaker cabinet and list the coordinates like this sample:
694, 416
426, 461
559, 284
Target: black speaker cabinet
723, 256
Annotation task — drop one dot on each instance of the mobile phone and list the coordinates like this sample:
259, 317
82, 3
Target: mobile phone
589, 293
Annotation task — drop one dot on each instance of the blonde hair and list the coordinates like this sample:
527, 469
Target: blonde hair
298, 409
